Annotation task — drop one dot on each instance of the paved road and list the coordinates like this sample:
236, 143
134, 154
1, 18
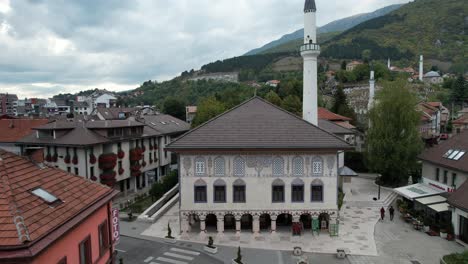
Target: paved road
140, 251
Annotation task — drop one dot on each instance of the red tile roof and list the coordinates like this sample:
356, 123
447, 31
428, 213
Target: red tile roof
11, 130
18, 176
462, 120
324, 113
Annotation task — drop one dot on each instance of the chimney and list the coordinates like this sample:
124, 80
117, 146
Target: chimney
421, 68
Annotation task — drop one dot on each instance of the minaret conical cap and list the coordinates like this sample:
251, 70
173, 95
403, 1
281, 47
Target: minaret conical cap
310, 6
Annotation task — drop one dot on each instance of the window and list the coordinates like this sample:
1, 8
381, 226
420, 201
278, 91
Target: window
76, 171
317, 193
219, 166
200, 166
85, 251
317, 167
200, 194
69, 169
297, 193
219, 194
238, 191
239, 166
445, 177
44, 195
63, 260
454, 179
103, 238
437, 177
298, 166
278, 166
278, 191
91, 170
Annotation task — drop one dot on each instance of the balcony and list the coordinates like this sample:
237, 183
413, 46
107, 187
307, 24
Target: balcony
310, 47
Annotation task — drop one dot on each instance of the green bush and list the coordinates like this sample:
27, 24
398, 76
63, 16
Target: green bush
356, 161
456, 258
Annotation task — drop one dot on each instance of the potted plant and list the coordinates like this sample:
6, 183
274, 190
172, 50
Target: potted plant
169, 238
443, 231
210, 248
427, 223
238, 260
450, 232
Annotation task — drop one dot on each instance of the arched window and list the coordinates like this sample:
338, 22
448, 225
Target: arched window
277, 191
278, 166
200, 191
219, 167
316, 191
317, 166
200, 166
298, 166
219, 193
297, 190
239, 166
238, 191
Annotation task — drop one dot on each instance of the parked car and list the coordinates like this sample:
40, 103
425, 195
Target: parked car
444, 136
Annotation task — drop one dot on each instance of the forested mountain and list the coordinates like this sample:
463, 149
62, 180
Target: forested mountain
436, 29
335, 26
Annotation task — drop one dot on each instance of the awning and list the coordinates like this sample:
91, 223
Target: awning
431, 200
440, 207
417, 191
346, 171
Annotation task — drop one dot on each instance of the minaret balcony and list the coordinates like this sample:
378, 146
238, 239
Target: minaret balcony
310, 47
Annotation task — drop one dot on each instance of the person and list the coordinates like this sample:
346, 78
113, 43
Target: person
392, 212
382, 213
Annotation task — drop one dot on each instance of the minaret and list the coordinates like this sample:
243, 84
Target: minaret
421, 68
310, 51
371, 90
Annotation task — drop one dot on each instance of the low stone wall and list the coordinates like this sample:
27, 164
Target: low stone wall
160, 206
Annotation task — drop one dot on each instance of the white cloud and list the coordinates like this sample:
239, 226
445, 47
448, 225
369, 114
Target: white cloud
86, 44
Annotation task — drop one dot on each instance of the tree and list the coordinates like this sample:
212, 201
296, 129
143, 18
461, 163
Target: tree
393, 137
343, 65
273, 98
208, 108
174, 107
459, 90
340, 104
292, 104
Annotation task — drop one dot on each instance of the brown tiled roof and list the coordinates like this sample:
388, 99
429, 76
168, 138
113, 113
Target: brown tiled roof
459, 198
76, 137
435, 154
113, 112
324, 113
257, 124
12, 130
166, 124
462, 120
63, 124
18, 176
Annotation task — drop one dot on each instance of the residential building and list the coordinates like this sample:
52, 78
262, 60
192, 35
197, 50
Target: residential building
224, 161
12, 130
459, 206
444, 114
430, 121
6, 103
461, 123
340, 126
83, 108
352, 65
114, 113
125, 154
273, 83
190, 113
50, 216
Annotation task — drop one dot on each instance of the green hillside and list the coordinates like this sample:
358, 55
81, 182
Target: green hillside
435, 28
294, 45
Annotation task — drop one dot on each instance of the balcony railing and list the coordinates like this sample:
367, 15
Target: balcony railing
311, 47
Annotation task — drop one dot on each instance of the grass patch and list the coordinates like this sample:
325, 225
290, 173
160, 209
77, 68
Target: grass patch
456, 258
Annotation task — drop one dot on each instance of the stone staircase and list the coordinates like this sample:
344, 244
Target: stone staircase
373, 204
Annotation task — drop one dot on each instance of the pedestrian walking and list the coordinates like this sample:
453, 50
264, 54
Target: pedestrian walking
382, 213
392, 212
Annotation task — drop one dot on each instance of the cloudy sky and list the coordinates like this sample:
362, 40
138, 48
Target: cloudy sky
53, 46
